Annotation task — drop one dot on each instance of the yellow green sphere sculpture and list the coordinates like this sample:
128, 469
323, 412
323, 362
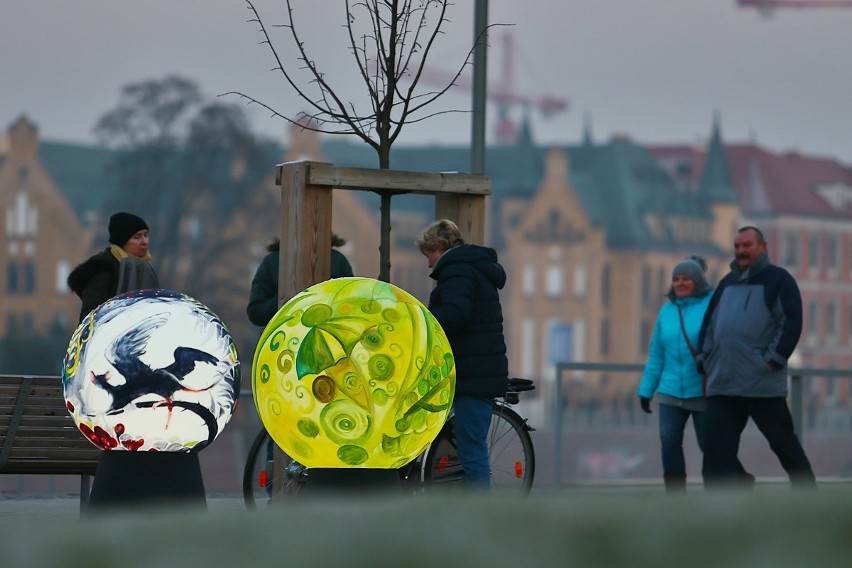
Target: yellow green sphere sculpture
353, 372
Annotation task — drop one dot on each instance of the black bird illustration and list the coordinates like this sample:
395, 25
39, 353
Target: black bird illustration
140, 378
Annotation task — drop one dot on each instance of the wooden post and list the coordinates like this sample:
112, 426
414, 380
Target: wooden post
305, 231
466, 211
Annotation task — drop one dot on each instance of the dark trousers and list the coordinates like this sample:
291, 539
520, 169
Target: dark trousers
727, 417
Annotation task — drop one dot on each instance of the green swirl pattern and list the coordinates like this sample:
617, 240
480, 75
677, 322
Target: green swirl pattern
361, 375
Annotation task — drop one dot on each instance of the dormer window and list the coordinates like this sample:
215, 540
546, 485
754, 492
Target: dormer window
838, 195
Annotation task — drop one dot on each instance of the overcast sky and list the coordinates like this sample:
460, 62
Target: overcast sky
655, 70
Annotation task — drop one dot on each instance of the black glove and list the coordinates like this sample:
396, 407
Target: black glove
645, 403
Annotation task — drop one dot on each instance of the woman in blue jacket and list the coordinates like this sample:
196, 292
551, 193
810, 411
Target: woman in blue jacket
671, 371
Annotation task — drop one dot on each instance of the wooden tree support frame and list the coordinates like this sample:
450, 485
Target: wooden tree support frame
306, 197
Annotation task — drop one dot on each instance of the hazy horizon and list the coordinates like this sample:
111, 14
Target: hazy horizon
655, 71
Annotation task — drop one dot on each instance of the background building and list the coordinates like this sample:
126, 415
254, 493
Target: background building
588, 233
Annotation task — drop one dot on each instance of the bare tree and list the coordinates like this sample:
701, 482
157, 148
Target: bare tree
178, 166
390, 41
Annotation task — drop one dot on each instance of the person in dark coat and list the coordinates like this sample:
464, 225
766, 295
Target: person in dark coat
263, 298
466, 302
96, 280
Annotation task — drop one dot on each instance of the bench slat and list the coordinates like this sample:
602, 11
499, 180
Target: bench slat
64, 421
36, 411
40, 467
37, 434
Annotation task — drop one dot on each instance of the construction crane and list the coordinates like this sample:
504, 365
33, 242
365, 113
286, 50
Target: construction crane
503, 93
772, 4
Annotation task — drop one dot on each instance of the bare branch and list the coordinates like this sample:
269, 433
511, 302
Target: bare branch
390, 42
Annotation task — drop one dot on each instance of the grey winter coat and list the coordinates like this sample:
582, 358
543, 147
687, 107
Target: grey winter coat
754, 321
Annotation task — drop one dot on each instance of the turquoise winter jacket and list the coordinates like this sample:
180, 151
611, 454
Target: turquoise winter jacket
670, 368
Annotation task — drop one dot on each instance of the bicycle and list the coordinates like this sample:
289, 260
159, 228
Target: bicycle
510, 453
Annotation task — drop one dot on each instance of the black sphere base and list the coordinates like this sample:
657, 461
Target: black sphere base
134, 479
352, 481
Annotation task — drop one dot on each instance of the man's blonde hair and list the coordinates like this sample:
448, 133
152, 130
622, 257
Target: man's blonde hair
442, 233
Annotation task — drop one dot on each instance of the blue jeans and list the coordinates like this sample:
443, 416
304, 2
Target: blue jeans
672, 426
473, 419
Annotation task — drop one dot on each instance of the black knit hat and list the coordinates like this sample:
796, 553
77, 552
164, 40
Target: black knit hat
122, 226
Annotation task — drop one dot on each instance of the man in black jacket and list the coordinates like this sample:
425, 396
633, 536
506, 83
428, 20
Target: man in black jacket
466, 302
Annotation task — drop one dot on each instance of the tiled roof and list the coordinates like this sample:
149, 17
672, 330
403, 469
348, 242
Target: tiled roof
82, 172
618, 183
788, 183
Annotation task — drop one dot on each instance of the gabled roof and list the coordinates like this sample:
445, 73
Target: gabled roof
82, 172
789, 183
89, 180
619, 184
616, 183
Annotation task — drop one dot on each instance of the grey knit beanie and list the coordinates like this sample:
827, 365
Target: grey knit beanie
692, 270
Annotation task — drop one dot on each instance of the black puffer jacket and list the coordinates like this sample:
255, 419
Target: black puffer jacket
466, 303
95, 280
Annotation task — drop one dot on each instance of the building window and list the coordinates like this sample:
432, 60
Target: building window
832, 253
579, 338
790, 251
561, 341
644, 336
812, 335
605, 286
832, 326
12, 325
580, 282
554, 281
12, 278
662, 282
21, 217
646, 286
528, 343
813, 252
528, 281
551, 354
604, 337
29, 278
28, 324
848, 256
849, 325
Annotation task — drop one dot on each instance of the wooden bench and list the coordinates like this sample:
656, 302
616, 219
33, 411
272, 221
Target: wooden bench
38, 436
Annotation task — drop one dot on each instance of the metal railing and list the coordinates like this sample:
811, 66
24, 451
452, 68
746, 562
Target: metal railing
796, 396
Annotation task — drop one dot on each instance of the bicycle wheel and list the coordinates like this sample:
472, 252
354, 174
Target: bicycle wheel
510, 454
261, 469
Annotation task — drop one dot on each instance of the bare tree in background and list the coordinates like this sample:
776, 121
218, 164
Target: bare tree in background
175, 154
390, 41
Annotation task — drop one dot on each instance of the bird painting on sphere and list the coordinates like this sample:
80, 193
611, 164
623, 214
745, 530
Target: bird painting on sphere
153, 371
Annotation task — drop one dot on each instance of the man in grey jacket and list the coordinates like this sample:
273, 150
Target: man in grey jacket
750, 329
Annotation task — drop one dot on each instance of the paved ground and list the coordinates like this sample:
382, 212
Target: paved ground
36, 507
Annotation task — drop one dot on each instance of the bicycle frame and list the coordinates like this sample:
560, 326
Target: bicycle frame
511, 456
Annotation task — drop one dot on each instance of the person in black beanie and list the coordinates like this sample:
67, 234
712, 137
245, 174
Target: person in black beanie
97, 279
